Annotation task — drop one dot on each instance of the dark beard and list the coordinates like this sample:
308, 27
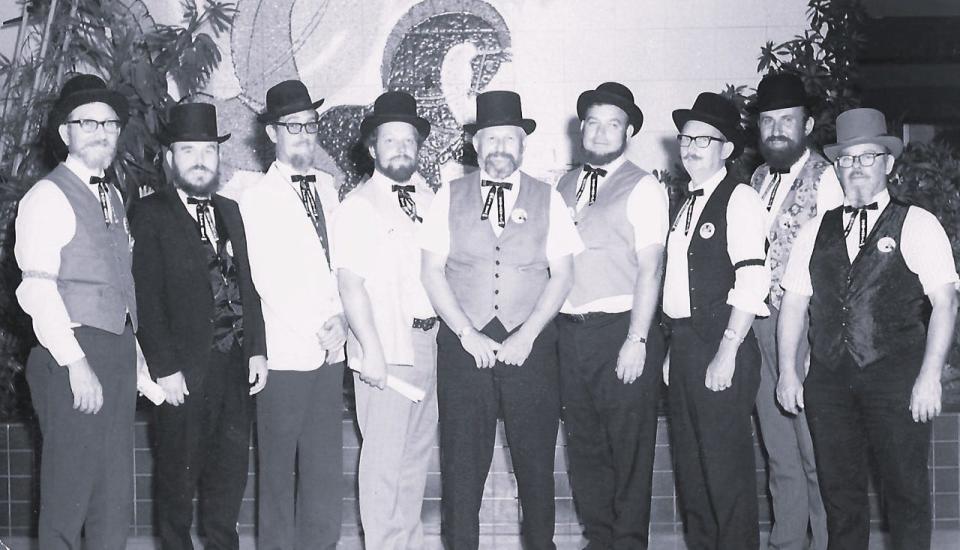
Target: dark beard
782, 159
602, 159
398, 172
192, 189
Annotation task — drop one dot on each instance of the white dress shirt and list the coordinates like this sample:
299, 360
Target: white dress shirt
45, 224
648, 211
745, 241
562, 236
925, 247
829, 192
298, 291
376, 240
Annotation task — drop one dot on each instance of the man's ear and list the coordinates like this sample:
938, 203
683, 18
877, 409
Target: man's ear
168, 156
890, 163
64, 135
808, 125
726, 149
372, 151
271, 132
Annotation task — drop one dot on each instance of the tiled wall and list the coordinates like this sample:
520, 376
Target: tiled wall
500, 512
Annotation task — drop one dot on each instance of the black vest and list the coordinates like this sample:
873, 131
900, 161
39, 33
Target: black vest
227, 305
709, 270
875, 308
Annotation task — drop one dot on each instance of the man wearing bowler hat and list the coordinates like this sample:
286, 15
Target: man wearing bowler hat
393, 328
300, 411
73, 246
498, 250
795, 184
878, 280
611, 346
715, 284
202, 334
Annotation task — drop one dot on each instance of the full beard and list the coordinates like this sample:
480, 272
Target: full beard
500, 165
595, 158
398, 168
97, 155
782, 158
196, 189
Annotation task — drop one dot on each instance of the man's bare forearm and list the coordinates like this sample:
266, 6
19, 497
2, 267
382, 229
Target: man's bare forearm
646, 291
359, 312
790, 331
943, 315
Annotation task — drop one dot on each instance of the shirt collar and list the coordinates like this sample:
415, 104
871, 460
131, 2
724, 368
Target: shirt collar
613, 165
183, 198
711, 183
513, 178
80, 169
287, 171
882, 199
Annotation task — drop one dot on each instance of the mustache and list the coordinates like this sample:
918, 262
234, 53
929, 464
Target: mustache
199, 167
402, 156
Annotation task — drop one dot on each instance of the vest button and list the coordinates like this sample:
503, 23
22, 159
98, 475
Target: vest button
497, 262
496, 292
498, 249
497, 275
496, 307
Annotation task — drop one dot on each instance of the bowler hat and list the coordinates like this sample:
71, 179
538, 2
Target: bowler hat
499, 108
717, 111
192, 122
781, 91
83, 89
394, 107
612, 93
287, 97
858, 126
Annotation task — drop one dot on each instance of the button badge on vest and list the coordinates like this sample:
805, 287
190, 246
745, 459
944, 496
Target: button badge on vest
886, 244
707, 230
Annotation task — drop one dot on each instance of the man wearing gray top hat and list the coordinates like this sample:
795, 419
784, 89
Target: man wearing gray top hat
795, 185
498, 250
878, 280
73, 246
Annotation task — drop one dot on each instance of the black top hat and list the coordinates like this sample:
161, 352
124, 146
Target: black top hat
83, 89
499, 108
612, 93
780, 91
394, 107
290, 96
192, 122
717, 111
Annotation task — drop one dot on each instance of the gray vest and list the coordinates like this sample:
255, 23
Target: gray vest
498, 277
95, 281
608, 266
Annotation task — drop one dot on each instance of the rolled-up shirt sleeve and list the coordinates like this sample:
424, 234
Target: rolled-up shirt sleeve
796, 276
45, 224
433, 235
745, 247
562, 237
648, 210
927, 251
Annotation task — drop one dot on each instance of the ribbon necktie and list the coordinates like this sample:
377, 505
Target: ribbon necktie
861, 213
103, 190
314, 210
688, 205
406, 201
496, 190
774, 186
593, 175
208, 228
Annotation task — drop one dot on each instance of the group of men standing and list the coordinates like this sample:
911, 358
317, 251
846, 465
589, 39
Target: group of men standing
497, 297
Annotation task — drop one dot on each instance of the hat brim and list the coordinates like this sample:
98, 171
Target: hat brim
115, 100
371, 122
527, 124
892, 143
732, 133
267, 117
171, 139
593, 97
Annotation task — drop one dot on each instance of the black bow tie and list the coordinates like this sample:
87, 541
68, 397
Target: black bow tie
591, 170
201, 202
407, 188
103, 194
299, 178
848, 209
688, 205
695, 193
593, 175
208, 231
407, 204
95, 180
496, 191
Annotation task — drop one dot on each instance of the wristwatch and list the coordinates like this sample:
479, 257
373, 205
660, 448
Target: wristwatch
636, 338
731, 334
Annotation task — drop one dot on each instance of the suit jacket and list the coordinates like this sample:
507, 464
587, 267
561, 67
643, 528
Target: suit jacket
173, 285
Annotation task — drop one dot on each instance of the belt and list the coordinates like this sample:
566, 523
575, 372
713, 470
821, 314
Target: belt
425, 324
584, 317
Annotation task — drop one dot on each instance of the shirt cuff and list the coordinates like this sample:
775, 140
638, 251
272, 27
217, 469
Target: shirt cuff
66, 350
750, 290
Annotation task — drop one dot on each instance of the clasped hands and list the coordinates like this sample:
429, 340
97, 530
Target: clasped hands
486, 351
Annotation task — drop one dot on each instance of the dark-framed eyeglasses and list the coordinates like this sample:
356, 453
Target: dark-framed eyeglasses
700, 141
297, 127
90, 125
864, 159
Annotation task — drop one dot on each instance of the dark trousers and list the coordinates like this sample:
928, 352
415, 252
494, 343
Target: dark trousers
470, 400
300, 450
86, 466
860, 414
712, 442
206, 442
611, 429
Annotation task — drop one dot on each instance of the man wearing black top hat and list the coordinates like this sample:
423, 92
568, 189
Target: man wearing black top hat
201, 332
715, 283
796, 184
498, 250
878, 280
393, 328
300, 411
611, 349
73, 247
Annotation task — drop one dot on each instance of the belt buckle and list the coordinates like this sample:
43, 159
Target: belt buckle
424, 324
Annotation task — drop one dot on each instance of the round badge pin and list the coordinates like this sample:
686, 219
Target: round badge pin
707, 230
886, 244
519, 215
